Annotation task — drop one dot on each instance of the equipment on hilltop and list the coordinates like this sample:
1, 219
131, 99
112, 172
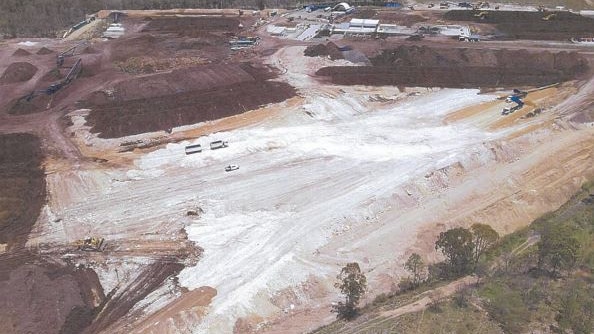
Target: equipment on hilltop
68, 53
94, 244
53, 88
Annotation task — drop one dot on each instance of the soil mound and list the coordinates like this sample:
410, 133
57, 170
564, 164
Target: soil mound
461, 68
330, 49
21, 106
22, 186
531, 25
18, 72
21, 52
44, 51
188, 96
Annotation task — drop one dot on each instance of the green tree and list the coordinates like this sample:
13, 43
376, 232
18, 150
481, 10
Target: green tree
353, 284
557, 248
457, 246
576, 309
484, 236
416, 267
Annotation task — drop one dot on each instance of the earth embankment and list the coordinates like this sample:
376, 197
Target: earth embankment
460, 68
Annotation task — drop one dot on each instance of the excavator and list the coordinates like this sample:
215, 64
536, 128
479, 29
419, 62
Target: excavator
93, 244
550, 17
482, 15
518, 98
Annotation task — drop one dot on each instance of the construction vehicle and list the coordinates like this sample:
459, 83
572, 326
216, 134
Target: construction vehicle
53, 88
549, 17
516, 97
68, 53
93, 244
218, 144
482, 15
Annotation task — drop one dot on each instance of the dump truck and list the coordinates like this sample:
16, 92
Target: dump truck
191, 149
218, 144
93, 244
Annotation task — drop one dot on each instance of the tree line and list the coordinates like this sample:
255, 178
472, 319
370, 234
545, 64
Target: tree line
43, 18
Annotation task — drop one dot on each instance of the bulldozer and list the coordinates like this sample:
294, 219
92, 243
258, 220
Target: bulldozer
549, 17
482, 15
93, 244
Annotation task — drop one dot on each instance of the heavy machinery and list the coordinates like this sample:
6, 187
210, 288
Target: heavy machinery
53, 88
68, 53
93, 244
516, 97
482, 15
550, 17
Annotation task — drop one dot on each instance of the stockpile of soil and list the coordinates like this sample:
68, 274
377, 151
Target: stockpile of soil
21, 106
460, 68
187, 26
39, 298
330, 49
530, 25
22, 186
164, 101
18, 72
44, 51
21, 52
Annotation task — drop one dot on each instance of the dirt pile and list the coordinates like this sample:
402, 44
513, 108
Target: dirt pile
18, 72
44, 51
189, 96
22, 187
39, 298
22, 106
21, 52
329, 49
531, 25
460, 68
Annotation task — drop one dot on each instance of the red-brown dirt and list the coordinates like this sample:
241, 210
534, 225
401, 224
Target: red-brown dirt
21, 52
188, 26
164, 101
44, 51
22, 187
329, 49
530, 25
18, 72
38, 298
460, 68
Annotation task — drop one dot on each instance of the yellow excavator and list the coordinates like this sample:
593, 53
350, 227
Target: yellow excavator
93, 244
550, 17
482, 15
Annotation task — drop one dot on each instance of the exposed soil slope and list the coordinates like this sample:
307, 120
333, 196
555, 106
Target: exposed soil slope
531, 25
460, 68
164, 101
22, 186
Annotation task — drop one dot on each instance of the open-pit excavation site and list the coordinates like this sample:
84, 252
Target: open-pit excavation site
211, 171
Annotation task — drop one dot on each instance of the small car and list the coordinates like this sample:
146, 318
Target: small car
231, 168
